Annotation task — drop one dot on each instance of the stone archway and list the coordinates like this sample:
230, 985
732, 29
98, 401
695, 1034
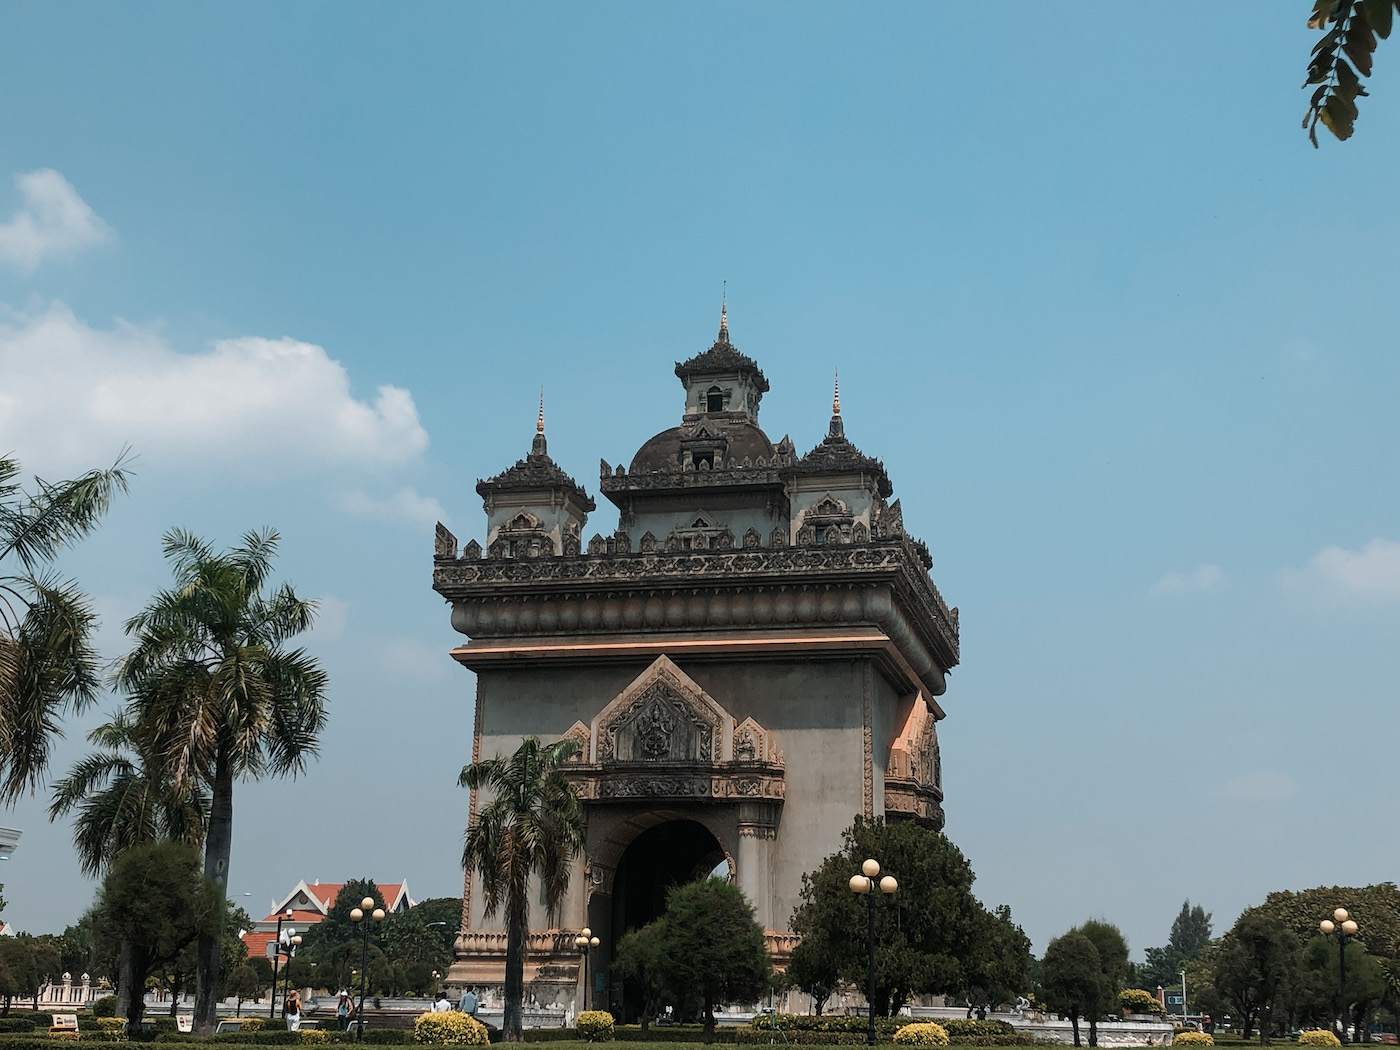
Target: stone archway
670, 853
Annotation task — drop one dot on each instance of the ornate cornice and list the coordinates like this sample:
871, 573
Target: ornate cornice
908, 798
691, 782
881, 582
731, 476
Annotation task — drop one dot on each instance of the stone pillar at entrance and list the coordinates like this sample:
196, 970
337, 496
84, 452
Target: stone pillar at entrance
757, 830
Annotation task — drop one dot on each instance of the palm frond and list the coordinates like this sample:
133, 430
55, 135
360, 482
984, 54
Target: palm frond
36, 528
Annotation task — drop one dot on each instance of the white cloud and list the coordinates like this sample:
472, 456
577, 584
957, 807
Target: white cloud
52, 222
73, 395
1260, 787
1201, 578
1338, 574
403, 507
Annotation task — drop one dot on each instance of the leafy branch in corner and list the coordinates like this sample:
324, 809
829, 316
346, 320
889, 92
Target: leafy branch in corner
1354, 27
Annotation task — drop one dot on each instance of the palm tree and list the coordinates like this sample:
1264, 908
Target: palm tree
124, 798
47, 664
532, 825
225, 700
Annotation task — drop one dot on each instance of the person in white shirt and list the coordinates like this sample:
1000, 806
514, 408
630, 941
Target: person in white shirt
441, 1003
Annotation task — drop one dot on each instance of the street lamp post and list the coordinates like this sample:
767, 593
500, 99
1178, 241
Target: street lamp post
1344, 926
864, 883
276, 958
1184, 1012
586, 942
358, 915
293, 941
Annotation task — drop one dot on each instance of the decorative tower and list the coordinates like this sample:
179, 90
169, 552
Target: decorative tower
534, 509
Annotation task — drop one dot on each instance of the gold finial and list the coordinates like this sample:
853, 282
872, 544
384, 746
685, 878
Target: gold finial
724, 308
539, 423
836, 395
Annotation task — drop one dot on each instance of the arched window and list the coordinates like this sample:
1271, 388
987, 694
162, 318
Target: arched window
714, 400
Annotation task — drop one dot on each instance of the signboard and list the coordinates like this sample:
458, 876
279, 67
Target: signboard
1173, 1000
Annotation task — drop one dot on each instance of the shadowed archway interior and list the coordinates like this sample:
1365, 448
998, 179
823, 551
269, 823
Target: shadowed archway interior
669, 854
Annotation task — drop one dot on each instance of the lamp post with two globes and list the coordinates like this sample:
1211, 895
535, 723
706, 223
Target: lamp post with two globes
864, 883
1344, 926
358, 915
292, 942
586, 942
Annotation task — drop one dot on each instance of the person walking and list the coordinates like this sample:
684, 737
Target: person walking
441, 1004
469, 1003
291, 1010
343, 1008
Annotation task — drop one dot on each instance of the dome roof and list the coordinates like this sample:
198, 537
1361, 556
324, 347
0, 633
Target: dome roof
663, 452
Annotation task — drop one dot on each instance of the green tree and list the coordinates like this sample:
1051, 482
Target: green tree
156, 900
211, 676
710, 948
1375, 908
48, 666
1255, 968
19, 971
1190, 934
1350, 29
999, 967
1112, 952
125, 796
813, 968
243, 983
1190, 930
1070, 977
1366, 985
335, 943
409, 941
531, 825
638, 959
933, 936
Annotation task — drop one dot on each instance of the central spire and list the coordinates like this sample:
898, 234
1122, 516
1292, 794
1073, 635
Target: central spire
837, 430
538, 446
724, 312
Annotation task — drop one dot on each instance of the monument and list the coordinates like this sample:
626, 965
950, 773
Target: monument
748, 660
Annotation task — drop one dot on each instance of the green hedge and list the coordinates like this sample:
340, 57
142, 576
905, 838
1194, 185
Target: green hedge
373, 1037
18, 1024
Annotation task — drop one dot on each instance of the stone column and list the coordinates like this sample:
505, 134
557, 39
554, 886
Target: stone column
757, 830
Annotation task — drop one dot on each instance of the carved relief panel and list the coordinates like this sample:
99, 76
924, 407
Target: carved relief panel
663, 716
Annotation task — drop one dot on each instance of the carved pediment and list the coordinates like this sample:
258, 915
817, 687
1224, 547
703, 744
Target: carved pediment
663, 716
914, 754
753, 743
581, 734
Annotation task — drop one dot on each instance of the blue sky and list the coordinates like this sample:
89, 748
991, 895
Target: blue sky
1123, 339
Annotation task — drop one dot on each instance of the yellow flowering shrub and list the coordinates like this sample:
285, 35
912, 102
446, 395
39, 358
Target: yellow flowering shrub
449, 1028
312, 1035
922, 1033
113, 1028
1194, 1039
595, 1025
1319, 1037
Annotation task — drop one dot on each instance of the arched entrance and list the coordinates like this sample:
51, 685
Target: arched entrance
669, 854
